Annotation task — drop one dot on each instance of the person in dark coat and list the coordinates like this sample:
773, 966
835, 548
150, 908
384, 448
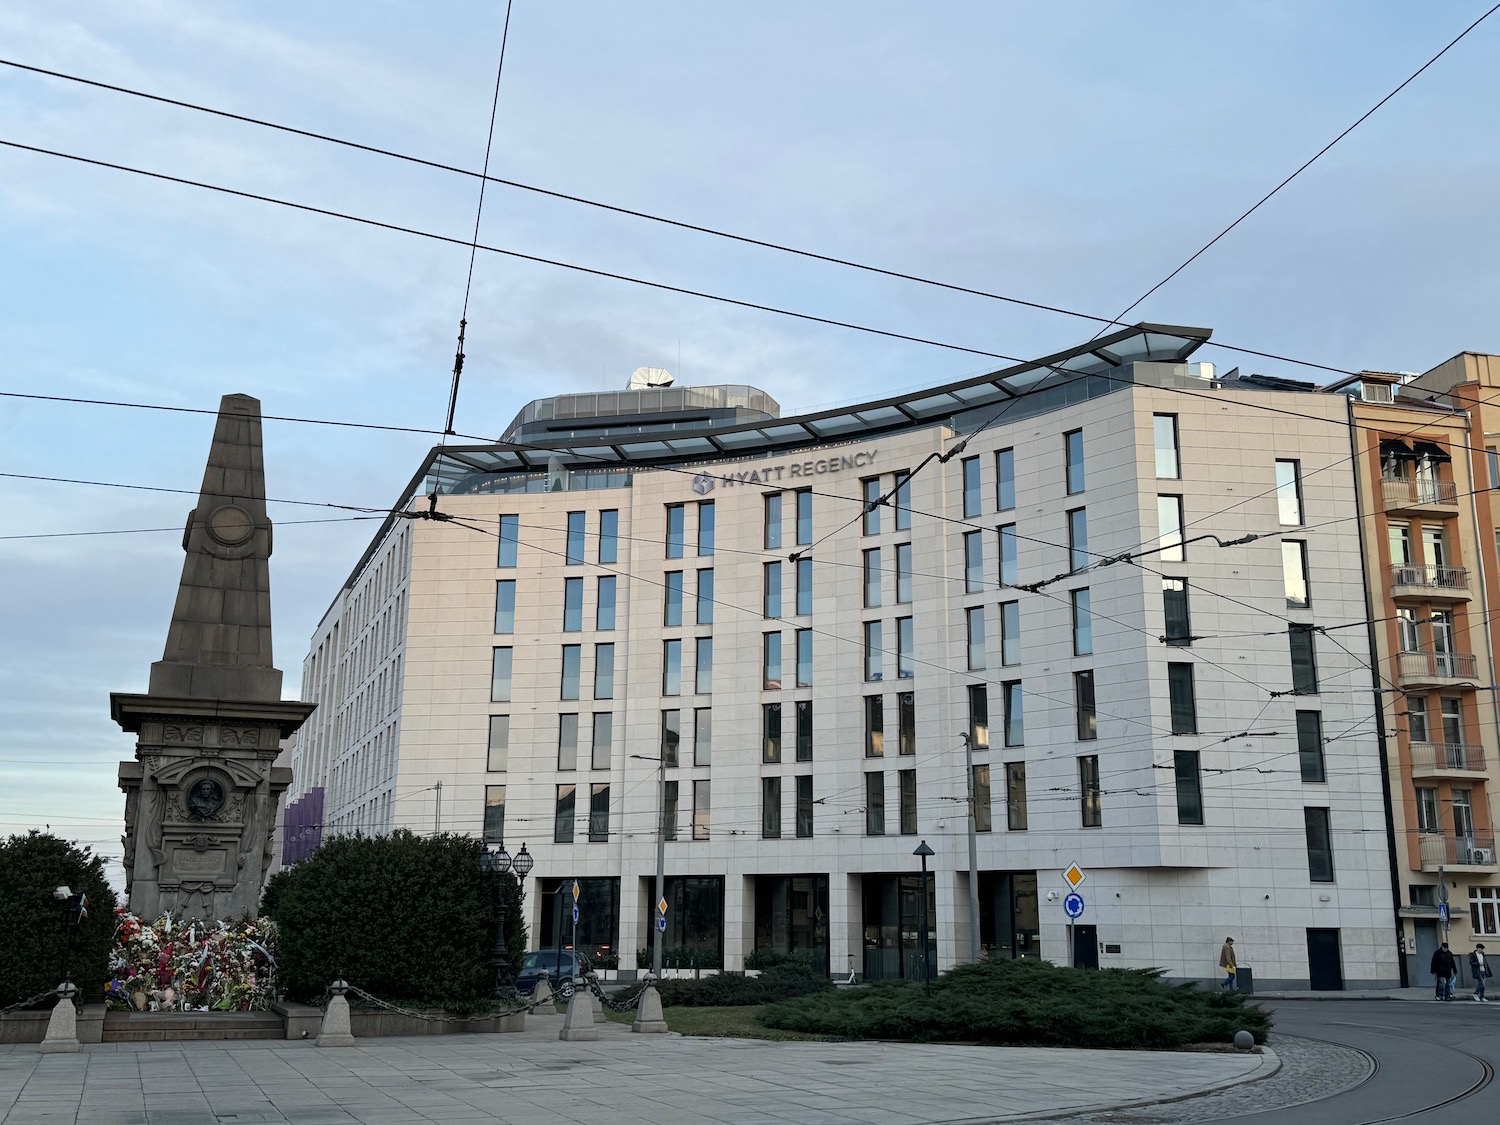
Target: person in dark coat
1444, 969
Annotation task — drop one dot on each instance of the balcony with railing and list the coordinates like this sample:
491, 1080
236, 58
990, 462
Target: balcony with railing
1407, 494
1463, 852
1430, 582
1437, 668
1443, 759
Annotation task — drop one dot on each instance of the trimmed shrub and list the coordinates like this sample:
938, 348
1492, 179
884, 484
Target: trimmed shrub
31, 940
1029, 1003
792, 977
404, 917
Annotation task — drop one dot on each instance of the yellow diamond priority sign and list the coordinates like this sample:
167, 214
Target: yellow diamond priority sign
662, 906
1074, 876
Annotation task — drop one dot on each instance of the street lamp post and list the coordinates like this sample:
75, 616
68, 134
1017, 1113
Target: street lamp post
924, 851
498, 862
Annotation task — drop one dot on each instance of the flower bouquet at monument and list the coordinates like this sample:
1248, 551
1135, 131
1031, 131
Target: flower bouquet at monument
172, 965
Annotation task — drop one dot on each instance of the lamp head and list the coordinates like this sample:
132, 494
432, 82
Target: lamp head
923, 850
524, 861
62, 894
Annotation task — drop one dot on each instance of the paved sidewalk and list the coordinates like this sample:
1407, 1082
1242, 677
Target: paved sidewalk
1420, 993
622, 1079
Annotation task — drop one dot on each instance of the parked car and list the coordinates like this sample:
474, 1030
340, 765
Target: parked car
561, 967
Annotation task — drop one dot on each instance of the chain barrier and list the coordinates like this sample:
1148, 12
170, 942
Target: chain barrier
477, 1017
613, 1005
40, 996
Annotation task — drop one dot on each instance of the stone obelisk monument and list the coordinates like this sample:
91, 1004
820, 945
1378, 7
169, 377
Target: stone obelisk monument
201, 795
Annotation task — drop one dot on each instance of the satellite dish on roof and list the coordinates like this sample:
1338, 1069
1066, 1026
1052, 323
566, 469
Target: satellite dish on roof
644, 377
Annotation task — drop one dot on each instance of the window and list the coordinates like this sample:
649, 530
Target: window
908, 780
804, 587
1005, 479
1073, 455
603, 740
875, 804
1294, 573
1169, 528
500, 676
1398, 538
1492, 460
705, 527
703, 736
510, 539
1289, 492
1010, 567
706, 596
604, 671
804, 658
804, 807
1085, 716
676, 529
494, 814
973, 562
1451, 711
672, 612
804, 709
983, 819
1484, 902
770, 732
974, 633
505, 605
1183, 699
669, 803
1319, 843
575, 555
905, 664
979, 716
701, 795
1164, 434
499, 744
1078, 540
1189, 788
572, 665
1010, 632
1416, 718
609, 535
770, 661
703, 666
567, 742
562, 820
1083, 622
903, 573
902, 500
869, 489
1174, 597
971, 486
1088, 786
572, 605
1463, 812
1304, 660
872, 577
874, 726
671, 668
906, 723
1015, 796
804, 516
1310, 745
770, 808
1427, 810
604, 610
770, 589
599, 813
671, 736
874, 643
772, 537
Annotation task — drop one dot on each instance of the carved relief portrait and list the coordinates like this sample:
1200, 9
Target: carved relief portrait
205, 798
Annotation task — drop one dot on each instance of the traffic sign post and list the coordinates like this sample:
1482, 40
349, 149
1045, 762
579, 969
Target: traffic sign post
1074, 877
1073, 906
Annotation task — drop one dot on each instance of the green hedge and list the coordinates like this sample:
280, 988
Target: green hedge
1029, 1003
681, 958
31, 920
788, 976
402, 916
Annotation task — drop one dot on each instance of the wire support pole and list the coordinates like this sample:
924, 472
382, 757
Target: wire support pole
973, 852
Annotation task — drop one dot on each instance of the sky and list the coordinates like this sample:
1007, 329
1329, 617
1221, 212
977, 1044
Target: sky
1071, 154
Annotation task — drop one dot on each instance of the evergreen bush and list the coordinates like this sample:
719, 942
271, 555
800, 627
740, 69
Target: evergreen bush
794, 976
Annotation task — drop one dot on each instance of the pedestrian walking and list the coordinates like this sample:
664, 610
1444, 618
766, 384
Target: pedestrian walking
1444, 969
1227, 963
1480, 967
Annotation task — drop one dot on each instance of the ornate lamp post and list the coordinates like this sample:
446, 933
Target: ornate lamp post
498, 862
924, 851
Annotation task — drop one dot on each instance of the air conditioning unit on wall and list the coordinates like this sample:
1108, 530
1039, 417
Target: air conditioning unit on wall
1485, 856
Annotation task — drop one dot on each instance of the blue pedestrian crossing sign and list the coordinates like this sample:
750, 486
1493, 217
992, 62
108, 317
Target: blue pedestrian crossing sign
1443, 913
1073, 905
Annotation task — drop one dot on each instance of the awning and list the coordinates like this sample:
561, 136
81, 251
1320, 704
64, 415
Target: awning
1432, 451
1394, 447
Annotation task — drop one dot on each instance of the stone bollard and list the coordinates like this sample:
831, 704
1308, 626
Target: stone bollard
336, 1030
542, 1003
62, 1027
648, 1017
578, 1024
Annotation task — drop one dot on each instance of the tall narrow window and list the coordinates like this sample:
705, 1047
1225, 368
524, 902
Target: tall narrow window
804, 806
1427, 811
703, 736
1319, 845
499, 744
1294, 573
1005, 479
1184, 700
874, 650
1416, 718
1304, 660
1492, 460
770, 661
572, 671
672, 608
872, 577
902, 501
1015, 725
701, 794
1078, 540
1178, 625
604, 612
609, 535
1010, 632
1089, 790
1398, 538
1086, 718
500, 676
1289, 492
1164, 433
1310, 746
906, 664
772, 538
908, 781
669, 805
510, 539
599, 813
804, 658
572, 605
567, 742
1083, 621
875, 804
869, 489
703, 666
770, 808
1010, 566
1015, 796
1169, 528
906, 723
671, 667
1189, 787
604, 671
973, 562
604, 740
505, 605
979, 715
1452, 712
804, 710
1073, 455
971, 486
671, 736
874, 726
676, 529
770, 589
804, 587
983, 821
705, 527
804, 516
494, 814
974, 632
903, 573
705, 600
575, 555
562, 822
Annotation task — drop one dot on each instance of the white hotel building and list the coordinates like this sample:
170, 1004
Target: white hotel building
681, 574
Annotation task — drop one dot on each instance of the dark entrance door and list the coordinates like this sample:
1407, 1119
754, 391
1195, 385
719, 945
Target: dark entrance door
892, 915
1427, 942
1085, 947
1325, 971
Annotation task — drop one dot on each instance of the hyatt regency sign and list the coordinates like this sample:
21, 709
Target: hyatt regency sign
781, 473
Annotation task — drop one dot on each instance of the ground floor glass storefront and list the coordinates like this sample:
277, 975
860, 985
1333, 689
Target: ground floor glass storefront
1009, 921
891, 910
791, 916
598, 917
